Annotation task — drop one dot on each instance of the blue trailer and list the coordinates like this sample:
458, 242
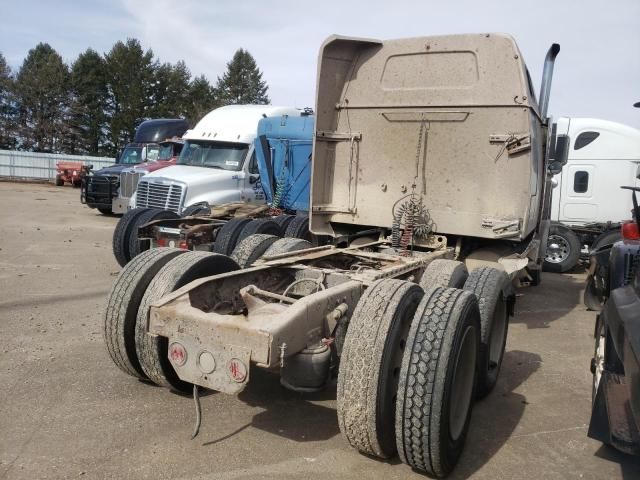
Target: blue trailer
283, 151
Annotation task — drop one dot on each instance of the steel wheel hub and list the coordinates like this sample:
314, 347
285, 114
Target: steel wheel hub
558, 249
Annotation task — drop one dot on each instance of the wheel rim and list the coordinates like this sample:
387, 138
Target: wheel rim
462, 386
498, 330
558, 249
598, 358
398, 354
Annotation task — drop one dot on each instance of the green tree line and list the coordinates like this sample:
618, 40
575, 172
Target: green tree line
94, 105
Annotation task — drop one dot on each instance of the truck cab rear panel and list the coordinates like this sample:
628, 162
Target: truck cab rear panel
429, 116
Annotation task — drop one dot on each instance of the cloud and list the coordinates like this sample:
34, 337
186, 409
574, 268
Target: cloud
597, 73
284, 37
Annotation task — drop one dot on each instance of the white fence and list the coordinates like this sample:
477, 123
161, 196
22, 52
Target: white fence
32, 165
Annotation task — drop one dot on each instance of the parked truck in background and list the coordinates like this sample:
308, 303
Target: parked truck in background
438, 147
217, 164
100, 189
588, 205
283, 154
166, 155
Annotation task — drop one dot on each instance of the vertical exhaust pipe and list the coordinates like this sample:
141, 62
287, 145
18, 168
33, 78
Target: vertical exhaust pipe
547, 75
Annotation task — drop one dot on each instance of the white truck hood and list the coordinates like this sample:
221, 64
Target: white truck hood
192, 175
200, 185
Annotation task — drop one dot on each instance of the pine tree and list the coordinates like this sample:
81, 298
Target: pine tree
7, 107
130, 81
201, 99
42, 96
171, 90
242, 82
87, 116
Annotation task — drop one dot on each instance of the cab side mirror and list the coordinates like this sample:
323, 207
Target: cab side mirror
253, 178
560, 154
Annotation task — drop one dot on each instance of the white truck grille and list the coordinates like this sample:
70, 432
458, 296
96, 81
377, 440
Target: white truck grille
167, 196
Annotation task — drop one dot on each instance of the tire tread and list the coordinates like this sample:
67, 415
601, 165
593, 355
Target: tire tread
122, 307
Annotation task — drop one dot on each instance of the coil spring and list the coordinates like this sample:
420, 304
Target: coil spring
278, 195
410, 218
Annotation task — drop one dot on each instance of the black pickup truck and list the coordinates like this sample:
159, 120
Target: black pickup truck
615, 413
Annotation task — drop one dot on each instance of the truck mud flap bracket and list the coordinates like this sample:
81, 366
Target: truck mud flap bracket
225, 368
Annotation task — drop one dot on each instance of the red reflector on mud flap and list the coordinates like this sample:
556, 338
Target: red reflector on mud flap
177, 354
237, 370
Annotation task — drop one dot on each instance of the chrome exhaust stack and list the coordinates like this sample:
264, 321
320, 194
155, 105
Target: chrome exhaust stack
547, 75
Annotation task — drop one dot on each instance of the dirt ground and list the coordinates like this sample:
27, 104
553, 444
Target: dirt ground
66, 411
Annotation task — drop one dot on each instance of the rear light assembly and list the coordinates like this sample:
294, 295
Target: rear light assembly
163, 242
630, 230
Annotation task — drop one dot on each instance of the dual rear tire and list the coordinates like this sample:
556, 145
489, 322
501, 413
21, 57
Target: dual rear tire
413, 362
143, 281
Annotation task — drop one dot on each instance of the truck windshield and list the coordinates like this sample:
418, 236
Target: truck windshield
166, 151
226, 156
152, 153
131, 156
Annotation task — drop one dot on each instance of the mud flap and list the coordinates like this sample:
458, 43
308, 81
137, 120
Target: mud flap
224, 369
599, 424
611, 422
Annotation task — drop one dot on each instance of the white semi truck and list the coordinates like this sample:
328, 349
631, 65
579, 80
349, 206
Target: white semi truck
587, 202
217, 164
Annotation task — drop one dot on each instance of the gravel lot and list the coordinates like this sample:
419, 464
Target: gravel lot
66, 411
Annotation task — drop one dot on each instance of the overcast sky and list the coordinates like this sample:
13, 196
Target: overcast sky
597, 72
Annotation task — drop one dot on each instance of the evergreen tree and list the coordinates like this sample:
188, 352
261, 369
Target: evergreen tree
42, 96
171, 90
242, 82
87, 116
94, 107
7, 107
201, 99
130, 81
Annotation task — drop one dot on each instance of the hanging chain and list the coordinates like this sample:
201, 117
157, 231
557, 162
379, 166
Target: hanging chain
419, 146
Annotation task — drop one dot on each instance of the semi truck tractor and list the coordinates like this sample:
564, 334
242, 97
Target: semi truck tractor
281, 156
588, 205
165, 155
101, 189
217, 164
440, 150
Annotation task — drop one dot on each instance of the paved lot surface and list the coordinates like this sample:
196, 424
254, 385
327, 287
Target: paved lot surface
67, 412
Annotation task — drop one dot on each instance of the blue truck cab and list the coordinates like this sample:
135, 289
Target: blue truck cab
283, 152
